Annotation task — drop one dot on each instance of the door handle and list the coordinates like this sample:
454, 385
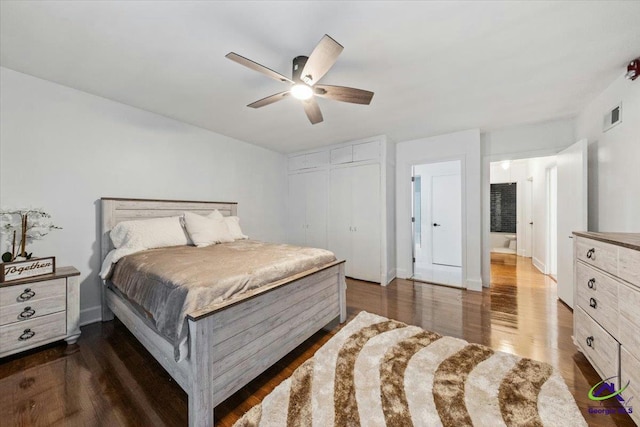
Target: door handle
436, 225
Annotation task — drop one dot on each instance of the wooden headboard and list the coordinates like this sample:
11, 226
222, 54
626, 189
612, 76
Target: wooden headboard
115, 210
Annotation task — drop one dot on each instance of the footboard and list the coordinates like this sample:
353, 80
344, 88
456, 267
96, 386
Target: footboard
235, 343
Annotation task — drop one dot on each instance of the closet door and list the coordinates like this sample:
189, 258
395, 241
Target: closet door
297, 210
317, 189
340, 206
365, 211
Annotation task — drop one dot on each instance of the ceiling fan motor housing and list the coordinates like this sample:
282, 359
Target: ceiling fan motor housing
298, 66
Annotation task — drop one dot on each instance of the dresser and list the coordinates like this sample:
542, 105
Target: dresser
607, 311
39, 310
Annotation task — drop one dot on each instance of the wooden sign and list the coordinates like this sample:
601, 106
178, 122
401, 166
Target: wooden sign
10, 271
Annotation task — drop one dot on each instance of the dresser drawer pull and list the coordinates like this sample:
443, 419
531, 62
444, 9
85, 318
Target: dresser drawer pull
591, 283
27, 334
27, 295
590, 341
593, 303
591, 253
27, 313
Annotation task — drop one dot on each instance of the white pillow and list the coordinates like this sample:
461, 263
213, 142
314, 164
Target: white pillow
233, 222
209, 230
149, 233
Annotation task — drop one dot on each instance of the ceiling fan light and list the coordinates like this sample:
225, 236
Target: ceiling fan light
301, 91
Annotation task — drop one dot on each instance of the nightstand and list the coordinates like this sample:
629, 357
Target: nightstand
39, 310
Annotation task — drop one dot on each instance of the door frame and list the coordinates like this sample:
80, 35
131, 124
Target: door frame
463, 210
550, 240
486, 200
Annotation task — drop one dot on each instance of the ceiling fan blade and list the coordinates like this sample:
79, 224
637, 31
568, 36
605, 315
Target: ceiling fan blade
257, 67
269, 100
313, 110
344, 94
321, 60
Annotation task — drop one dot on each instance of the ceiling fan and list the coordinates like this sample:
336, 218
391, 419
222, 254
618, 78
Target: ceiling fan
307, 72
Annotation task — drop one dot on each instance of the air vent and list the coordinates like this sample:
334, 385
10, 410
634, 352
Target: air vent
613, 117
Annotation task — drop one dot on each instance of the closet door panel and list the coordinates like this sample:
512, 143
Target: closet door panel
297, 210
365, 185
340, 205
317, 197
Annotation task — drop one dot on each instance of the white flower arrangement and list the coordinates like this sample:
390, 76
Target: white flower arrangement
32, 224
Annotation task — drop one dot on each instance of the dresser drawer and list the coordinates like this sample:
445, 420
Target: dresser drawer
21, 312
630, 372
598, 295
33, 331
629, 318
599, 254
629, 265
29, 292
601, 349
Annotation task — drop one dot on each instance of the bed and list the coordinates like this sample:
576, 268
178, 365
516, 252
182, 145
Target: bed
230, 342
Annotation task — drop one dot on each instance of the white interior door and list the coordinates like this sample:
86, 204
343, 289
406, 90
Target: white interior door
297, 210
340, 227
316, 189
366, 257
572, 212
446, 206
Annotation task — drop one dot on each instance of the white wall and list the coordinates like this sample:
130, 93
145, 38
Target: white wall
465, 146
518, 142
540, 212
62, 149
614, 158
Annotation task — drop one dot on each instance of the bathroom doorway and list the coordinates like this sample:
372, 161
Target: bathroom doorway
437, 222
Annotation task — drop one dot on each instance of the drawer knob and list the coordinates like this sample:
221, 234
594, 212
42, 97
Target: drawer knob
593, 303
27, 334
591, 283
27, 313
27, 294
590, 341
591, 253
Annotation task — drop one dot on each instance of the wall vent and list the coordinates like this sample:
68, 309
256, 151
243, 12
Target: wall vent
613, 117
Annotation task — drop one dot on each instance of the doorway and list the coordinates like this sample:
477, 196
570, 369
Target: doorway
437, 222
522, 213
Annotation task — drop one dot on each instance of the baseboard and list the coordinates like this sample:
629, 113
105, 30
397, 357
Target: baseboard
391, 274
90, 315
539, 265
474, 285
402, 273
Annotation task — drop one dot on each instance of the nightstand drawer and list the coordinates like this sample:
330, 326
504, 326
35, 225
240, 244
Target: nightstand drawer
600, 348
629, 321
29, 332
21, 312
598, 295
27, 293
599, 254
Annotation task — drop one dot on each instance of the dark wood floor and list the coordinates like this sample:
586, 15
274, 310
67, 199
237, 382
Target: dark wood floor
108, 379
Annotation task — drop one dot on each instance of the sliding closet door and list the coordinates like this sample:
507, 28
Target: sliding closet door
366, 216
340, 228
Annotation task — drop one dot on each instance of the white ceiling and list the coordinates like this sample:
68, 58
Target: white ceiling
435, 67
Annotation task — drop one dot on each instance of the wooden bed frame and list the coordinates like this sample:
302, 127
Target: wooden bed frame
233, 342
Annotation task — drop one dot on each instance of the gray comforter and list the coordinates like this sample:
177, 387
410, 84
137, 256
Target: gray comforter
169, 283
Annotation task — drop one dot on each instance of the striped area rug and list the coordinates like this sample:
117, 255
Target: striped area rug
378, 372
